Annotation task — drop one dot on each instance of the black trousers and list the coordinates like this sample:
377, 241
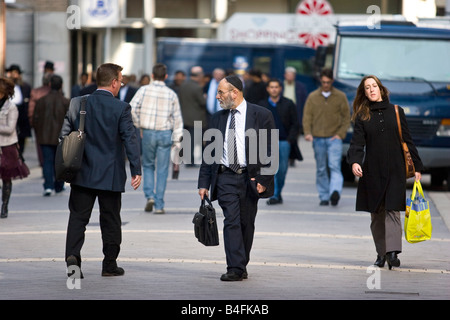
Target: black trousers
239, 204
81, 203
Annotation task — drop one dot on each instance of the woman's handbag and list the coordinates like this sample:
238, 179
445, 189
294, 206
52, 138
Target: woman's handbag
205, 224
417, 216
70, 150
409, 164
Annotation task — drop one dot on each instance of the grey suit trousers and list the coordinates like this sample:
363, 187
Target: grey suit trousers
386, 230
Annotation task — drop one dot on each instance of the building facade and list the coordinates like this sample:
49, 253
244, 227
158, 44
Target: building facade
78, 35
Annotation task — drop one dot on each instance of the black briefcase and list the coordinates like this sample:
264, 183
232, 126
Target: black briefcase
205, 224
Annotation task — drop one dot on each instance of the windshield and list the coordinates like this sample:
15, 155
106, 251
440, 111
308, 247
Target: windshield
394, 58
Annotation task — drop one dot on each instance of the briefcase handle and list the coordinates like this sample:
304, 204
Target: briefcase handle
205, 197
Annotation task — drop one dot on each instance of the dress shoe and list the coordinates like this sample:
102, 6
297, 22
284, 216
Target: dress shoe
274, 200
149, 205
392, 259
335, 198
118, 271
244, 275
380, 261
231, 276
73, 261
324, 203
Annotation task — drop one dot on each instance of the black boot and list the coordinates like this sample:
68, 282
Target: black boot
380, 261
392, 259
6, 193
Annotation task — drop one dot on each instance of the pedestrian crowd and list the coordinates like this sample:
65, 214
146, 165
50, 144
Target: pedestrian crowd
150, 121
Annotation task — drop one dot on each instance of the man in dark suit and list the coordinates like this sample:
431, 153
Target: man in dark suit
126, 92
238, 180
109, 131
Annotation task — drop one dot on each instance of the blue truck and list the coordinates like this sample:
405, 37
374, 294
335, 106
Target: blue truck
414, 64
272, 59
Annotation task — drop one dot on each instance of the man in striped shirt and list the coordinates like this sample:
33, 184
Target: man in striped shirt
156, 112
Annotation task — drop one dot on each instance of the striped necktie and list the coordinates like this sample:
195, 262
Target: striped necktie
233, 161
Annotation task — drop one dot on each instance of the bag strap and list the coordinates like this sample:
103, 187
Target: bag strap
207, 199
417, 186
83, 101
398, 123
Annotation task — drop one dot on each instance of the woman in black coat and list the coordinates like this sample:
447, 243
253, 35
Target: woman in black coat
376, 157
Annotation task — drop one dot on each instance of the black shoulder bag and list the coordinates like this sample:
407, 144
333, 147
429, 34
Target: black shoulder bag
205, 224
70, 150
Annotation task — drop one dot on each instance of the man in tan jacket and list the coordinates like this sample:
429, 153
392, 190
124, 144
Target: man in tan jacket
326, 118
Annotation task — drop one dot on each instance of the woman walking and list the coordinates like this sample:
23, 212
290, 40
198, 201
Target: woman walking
11, 165
376, 157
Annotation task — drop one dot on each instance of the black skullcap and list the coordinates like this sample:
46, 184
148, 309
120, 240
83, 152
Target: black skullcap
235, 81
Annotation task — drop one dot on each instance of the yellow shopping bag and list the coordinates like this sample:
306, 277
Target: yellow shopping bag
417, 216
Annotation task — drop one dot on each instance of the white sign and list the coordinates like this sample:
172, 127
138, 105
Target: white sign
313, 24
99, 13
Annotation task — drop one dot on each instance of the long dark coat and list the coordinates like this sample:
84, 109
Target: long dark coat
375, 145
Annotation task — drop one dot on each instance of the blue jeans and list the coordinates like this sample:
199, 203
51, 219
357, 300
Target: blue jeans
48, 168
328, 155
280, 176
156, 145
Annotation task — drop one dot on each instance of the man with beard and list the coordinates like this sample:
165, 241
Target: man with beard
237, 181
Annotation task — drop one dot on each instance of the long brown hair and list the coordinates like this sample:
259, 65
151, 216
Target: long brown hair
361, 102
7, 87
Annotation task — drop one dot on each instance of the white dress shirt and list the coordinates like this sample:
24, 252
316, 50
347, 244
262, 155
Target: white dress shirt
239, 117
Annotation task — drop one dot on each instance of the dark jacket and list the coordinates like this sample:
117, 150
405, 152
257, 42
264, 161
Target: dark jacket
375, 145
48, 117
192, 103
287, 112
257, 118
23, 123
110, 135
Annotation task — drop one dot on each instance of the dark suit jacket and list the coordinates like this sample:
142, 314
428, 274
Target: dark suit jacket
192, 103
130, 94
257, 118
288, 115
23, 123
109, 134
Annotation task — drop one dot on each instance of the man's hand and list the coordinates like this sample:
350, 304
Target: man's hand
259, 187
135, 182
308, 137
203, 192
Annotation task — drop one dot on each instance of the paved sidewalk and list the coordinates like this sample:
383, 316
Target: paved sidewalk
301, 251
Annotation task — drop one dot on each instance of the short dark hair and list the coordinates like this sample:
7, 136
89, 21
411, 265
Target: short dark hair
56, 82
159, 71
274, 80
106, 73
7, 87
326, 72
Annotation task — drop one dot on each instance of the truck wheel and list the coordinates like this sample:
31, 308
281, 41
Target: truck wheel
438, 175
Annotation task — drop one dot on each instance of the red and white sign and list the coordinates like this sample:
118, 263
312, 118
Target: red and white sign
317, 32
312, 24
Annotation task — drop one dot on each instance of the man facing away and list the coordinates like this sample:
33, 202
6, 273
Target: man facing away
239, 178
326, 119
156, 111
48, 117
110, 134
